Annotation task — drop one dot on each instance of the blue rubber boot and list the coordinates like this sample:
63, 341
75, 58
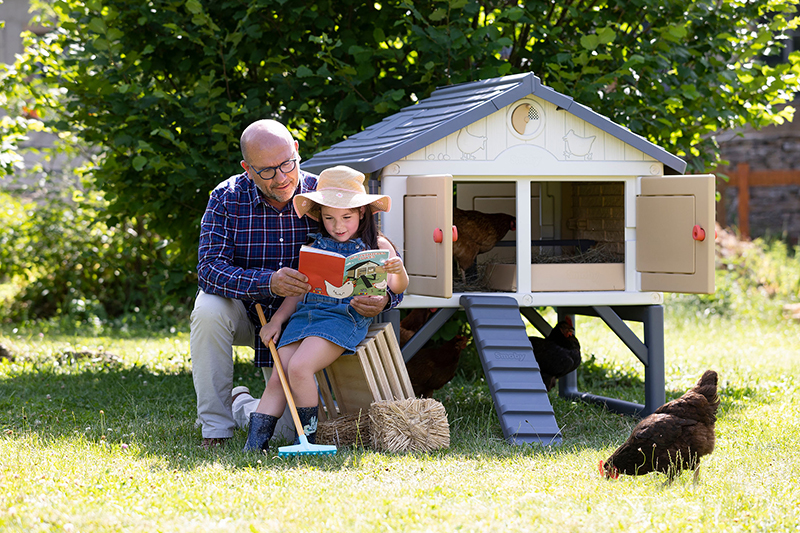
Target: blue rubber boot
261, 428
308, 418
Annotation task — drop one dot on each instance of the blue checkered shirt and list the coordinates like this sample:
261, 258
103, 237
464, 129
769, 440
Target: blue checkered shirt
244, 240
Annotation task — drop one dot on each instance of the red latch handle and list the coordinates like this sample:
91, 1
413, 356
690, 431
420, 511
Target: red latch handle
455, 234
438, 235
698, 233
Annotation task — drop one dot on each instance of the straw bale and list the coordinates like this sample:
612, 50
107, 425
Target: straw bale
346, 430
413, 424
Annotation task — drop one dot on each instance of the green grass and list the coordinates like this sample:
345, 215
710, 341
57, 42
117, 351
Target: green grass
98, 435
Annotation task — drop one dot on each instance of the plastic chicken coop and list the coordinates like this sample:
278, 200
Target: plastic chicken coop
605, 223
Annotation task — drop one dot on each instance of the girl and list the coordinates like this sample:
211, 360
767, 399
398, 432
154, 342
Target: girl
322, 328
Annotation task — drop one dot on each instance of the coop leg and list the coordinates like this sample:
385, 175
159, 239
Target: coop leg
650, 353
569, 383
654, 381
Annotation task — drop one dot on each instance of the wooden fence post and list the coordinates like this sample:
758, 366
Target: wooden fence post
742, 175
722, 186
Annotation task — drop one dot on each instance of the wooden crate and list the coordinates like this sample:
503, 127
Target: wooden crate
375, 372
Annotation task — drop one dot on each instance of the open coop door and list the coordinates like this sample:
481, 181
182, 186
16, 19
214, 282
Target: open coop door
428, 213
675, 233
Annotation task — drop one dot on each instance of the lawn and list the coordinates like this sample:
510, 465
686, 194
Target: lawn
97, 434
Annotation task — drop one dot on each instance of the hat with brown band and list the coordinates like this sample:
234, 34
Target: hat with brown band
341, 187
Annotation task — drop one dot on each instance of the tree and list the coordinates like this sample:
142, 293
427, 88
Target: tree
162, 88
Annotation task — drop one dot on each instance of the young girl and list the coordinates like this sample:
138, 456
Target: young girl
322, 328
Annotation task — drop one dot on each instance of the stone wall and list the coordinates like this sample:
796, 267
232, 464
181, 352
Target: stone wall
774, 210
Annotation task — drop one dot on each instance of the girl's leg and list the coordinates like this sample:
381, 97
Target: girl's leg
273, 401
272, 404
313, 354
301, 360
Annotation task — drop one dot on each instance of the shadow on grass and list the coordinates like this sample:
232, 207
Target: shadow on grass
96, 397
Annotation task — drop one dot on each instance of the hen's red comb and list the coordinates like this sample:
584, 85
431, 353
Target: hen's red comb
613, 474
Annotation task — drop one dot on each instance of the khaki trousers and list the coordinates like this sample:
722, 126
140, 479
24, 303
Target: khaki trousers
217, 325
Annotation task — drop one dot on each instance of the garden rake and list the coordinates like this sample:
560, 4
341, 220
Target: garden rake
305, 447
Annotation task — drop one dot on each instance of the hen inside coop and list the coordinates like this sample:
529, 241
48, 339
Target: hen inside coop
577, 236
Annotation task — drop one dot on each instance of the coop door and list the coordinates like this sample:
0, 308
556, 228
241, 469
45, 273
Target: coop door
675, 233
429, 235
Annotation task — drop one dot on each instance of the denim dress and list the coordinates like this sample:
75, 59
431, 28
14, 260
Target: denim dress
327, 317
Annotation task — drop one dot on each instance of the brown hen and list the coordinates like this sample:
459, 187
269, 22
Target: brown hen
412, 322
433, 367
673, 438
478, 233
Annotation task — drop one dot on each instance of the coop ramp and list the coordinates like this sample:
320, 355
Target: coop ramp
520, 397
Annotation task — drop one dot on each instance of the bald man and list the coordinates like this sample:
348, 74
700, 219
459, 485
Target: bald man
250, 238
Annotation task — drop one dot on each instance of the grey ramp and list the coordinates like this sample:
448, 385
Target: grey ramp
520, 397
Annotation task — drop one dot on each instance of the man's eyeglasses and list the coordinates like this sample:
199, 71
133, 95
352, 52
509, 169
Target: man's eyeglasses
268, 173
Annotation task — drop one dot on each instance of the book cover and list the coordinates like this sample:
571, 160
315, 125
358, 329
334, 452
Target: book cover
332, 274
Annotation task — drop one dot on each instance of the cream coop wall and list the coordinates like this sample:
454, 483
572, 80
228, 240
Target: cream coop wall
532, 131
565, 172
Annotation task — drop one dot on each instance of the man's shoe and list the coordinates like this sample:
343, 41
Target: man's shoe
210, 443
238, 391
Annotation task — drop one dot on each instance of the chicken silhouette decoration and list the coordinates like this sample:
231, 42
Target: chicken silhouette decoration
478, 233
469, 143
558, 354
671, 439
578, 146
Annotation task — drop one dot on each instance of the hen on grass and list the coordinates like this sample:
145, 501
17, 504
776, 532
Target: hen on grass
671, 439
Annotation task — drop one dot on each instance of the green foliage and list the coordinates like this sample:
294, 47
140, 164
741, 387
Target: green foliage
161, 90
69, 263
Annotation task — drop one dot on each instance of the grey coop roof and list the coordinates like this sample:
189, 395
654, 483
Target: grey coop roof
453, 107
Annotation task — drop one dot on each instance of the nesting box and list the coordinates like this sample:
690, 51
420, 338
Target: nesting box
604, 218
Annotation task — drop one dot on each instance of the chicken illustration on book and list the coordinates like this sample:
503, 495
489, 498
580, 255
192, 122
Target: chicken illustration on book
335, 275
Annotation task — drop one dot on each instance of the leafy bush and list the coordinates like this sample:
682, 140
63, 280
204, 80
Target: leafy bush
162, 90
68, 263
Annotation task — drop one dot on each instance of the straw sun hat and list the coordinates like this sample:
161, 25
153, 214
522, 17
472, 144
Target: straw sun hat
341, 187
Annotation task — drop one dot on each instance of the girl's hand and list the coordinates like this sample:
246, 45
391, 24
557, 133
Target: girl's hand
271, 331
393, 265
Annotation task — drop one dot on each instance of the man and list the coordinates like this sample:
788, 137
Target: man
250, 238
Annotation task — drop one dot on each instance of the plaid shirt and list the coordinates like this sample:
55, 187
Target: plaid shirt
244, 240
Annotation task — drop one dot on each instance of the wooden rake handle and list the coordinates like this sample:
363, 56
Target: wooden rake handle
284, 382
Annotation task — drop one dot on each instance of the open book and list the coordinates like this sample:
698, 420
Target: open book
335, 275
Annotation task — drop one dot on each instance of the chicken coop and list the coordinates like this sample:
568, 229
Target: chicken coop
557, 206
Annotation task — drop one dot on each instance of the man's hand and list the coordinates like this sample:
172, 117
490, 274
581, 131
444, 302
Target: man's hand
369, 306
289, 282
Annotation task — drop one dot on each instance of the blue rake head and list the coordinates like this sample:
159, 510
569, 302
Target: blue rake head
306, 448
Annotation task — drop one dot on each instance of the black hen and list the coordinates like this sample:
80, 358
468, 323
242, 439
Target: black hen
558, 354
673, 438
